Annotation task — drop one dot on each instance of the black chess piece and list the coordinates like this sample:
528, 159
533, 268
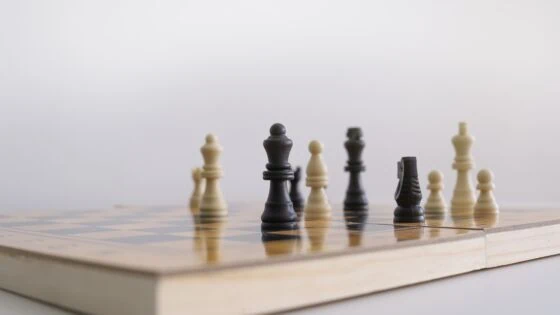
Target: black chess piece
408, 194
279, 211
355, 199
295, 195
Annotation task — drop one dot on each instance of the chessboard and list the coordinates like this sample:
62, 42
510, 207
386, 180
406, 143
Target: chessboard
164, 260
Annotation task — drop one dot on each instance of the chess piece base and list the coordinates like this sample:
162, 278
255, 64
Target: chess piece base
409, 215
436, 209
355, 206
279, 226
462, 210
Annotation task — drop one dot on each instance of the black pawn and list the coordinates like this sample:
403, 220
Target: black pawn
279, 211
355, 199
408, 194
295, 195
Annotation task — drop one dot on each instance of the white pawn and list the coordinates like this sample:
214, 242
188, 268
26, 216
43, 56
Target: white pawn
213, 203
199, 187
317, 206
435, 204
486, 203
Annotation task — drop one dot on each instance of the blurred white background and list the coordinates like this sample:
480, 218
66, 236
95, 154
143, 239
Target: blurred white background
108, 102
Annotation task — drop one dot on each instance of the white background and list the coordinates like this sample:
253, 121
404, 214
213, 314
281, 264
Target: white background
107, 102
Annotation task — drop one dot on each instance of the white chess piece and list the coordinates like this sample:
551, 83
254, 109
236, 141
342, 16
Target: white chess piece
317, 206
199, 187
463, 200
213, 203
435, 204
486, 203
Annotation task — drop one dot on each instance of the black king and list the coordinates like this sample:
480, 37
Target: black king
356, 200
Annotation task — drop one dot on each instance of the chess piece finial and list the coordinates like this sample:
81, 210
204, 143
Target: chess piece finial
295, 195
355, 199
198, 190
317, 206
435, 204
463, 200
213, 203
486, 203
279, 211
408, 194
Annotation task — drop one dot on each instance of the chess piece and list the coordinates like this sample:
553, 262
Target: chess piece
317, 206
408, 194
486, 203
198, 239
295, 195
435, 205
279, 211
199, 187
355, 199
463, 200
213, 203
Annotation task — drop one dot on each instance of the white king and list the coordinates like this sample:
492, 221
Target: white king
463, 200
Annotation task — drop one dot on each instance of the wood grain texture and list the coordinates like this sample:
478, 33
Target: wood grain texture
106, 261
84, 288
513, 246
285, 286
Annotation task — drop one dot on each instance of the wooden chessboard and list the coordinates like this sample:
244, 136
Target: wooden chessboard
161, 260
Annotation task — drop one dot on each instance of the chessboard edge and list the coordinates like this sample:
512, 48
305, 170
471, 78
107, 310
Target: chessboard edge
76, 287
143, 271
311, 282
508, 247
98, 290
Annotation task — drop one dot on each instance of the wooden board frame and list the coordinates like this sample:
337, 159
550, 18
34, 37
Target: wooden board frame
388, 256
